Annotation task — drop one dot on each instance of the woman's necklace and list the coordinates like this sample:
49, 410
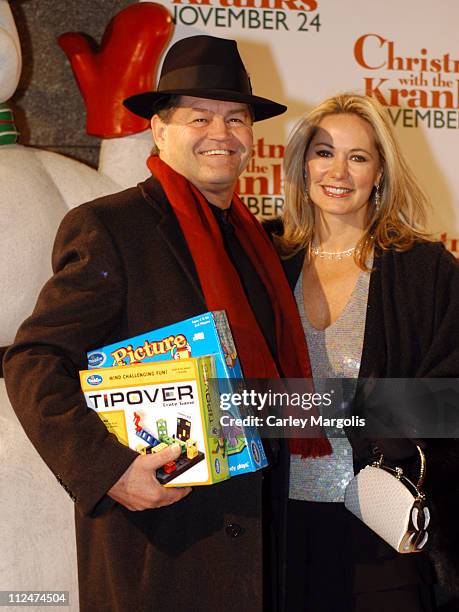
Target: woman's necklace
317, 251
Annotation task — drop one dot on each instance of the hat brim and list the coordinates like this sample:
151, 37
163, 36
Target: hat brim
147, 104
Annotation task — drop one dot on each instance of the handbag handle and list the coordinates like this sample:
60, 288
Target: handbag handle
422, 469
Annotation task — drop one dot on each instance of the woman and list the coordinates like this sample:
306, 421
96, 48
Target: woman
376, 299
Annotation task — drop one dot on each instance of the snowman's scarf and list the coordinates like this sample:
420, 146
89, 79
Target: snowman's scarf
8, 132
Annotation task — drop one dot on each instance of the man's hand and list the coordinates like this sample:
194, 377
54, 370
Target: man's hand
138, 489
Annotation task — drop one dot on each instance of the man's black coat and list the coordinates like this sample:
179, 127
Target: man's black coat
122, 267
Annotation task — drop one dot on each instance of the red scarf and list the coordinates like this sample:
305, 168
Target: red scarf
223, 290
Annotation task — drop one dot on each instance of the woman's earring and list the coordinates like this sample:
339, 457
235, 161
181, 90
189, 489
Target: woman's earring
377, 199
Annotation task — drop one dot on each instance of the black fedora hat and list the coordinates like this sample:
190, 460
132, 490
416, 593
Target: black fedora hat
204, 67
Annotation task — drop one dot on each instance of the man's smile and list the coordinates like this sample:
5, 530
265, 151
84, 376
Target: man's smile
216, 152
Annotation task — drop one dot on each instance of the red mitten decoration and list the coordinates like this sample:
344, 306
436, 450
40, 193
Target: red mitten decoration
124, 65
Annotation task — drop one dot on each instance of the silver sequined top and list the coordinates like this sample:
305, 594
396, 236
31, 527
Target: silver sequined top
334, 352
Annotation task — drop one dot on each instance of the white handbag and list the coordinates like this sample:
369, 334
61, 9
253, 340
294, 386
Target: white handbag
391, 505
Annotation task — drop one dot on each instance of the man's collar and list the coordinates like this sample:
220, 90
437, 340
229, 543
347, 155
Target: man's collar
221, 214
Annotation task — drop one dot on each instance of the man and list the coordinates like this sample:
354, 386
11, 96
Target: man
175, 246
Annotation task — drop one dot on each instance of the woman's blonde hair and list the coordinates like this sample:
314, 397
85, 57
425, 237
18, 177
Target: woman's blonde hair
400, 218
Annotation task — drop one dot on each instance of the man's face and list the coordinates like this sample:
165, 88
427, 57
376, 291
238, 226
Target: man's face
209, 142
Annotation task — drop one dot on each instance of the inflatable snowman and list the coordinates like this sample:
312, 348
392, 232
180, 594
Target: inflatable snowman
125, 63
38, 188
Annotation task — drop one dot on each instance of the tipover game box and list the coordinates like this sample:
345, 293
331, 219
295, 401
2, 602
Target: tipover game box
151, 406
206, 334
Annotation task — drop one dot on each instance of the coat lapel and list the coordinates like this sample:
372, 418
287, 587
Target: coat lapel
168, 227
292, 268
374, 360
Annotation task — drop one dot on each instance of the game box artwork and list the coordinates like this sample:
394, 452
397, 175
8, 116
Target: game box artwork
151, 406
206, 334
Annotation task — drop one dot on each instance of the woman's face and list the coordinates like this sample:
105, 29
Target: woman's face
342, 167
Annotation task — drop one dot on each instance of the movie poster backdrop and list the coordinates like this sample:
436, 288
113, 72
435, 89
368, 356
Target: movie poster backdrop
298, 52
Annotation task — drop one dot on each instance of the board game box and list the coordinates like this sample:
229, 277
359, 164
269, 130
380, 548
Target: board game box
206, 334
151, 406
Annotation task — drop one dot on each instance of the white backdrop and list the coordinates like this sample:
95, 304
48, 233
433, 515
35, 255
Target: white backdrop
300, 51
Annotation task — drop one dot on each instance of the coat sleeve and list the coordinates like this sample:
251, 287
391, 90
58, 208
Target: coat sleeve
441, 360
442, 483
77, 309
413, 335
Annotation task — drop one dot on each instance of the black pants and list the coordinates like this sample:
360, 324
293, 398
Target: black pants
336, 564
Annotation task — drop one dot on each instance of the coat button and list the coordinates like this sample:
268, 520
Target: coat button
233, 530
